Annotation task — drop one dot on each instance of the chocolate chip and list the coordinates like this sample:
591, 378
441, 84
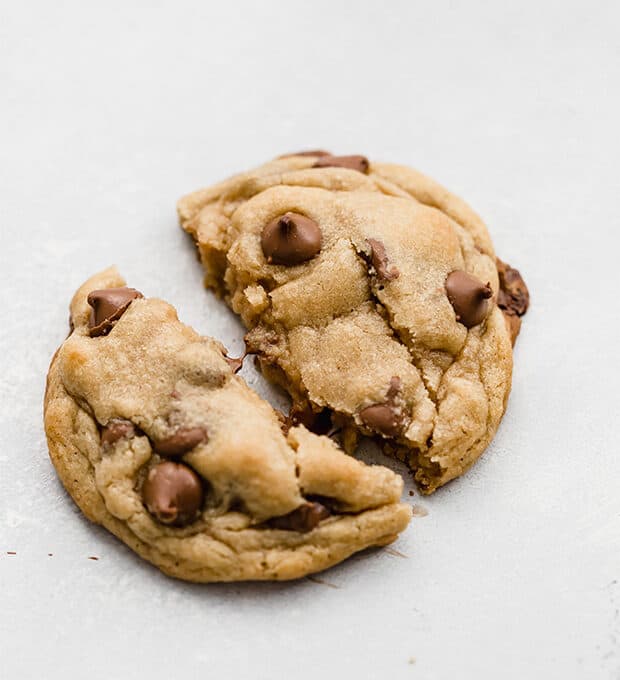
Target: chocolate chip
116, 429
173, 493
291, 239
302, 519
359, 163
381, 417
108, 305
182, 441
385, 417
311, 152
513, 296
469, 297
380, 262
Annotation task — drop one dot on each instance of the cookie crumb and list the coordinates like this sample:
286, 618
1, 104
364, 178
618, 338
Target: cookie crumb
411, 492
419, 511
92, 557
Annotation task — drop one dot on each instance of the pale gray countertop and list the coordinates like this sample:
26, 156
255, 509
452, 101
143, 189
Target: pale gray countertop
108, 114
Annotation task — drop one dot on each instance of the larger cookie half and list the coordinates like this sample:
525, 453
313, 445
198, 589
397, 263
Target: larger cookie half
372, 295
155, 438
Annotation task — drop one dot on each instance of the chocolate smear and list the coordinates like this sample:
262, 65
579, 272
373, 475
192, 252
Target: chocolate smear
181, 442
380, 261
115, 429
235, 364
303, 519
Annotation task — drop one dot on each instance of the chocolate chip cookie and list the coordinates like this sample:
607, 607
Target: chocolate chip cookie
157, 439
372, 295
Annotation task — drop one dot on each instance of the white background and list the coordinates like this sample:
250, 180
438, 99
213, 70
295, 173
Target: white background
108, 114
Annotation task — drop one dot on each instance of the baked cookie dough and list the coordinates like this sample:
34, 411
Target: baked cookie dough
156, 439
373, 296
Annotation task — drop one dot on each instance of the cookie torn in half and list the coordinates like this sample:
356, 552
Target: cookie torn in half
373, 295
156, 439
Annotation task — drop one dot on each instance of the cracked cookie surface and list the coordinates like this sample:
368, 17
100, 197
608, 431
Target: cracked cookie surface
156, 439
370, 293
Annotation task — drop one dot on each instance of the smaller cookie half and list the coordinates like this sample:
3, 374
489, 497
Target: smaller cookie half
156, 439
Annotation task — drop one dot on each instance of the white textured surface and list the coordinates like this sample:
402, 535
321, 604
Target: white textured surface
108, 114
